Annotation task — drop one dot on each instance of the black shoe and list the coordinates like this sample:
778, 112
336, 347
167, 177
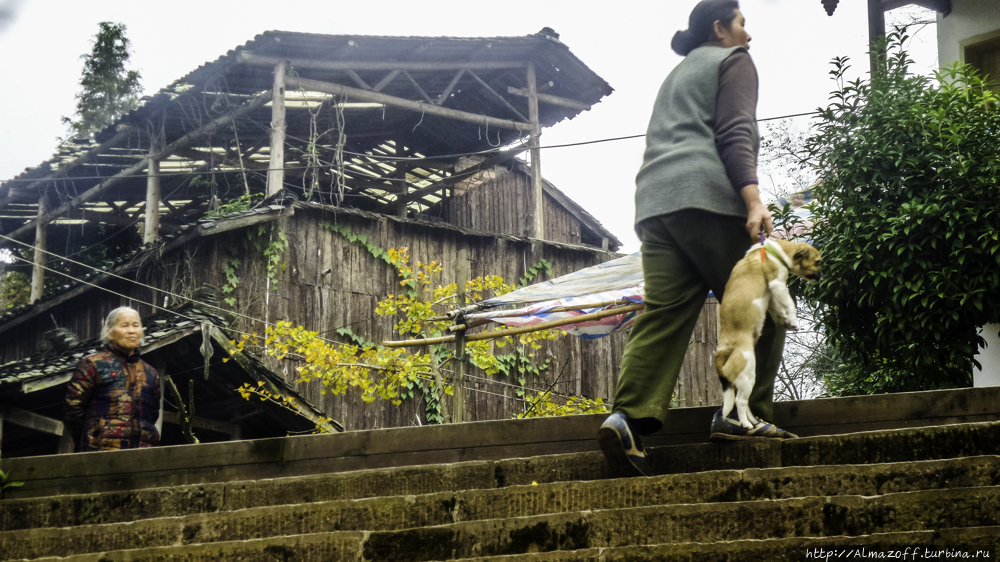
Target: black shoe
621, 445
729, 429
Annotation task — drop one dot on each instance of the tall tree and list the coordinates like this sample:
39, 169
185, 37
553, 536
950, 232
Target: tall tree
108, 89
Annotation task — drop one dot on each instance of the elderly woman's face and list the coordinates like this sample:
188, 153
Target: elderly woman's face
127, 332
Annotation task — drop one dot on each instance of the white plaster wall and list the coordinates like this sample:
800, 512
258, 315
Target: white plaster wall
968, 18
989, 358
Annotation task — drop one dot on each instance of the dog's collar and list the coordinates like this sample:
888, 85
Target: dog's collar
777, 253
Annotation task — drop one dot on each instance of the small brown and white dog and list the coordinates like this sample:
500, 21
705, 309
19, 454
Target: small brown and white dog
755, 286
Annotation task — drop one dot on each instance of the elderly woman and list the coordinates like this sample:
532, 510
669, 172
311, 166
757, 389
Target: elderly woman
113, 399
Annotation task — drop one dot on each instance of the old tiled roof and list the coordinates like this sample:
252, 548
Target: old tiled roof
167, 328
157, 327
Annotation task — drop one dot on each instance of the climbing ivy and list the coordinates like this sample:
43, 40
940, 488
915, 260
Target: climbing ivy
398, 374
267, 243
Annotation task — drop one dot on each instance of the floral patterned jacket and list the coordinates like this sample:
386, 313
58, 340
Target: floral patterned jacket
113, 402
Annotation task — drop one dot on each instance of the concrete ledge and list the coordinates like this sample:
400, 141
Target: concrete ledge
494, 440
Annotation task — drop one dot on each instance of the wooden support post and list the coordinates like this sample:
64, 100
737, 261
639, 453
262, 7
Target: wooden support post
276, 171
151, 233
462, 274
876, 30
538, 230
38, 267
401, 169
161, 370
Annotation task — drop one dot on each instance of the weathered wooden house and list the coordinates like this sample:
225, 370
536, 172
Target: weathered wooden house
411, 142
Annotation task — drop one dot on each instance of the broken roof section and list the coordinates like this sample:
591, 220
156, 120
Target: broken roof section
35, 386
376, 123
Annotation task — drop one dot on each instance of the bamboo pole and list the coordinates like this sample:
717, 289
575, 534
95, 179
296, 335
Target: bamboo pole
276, 169
527, 309
522, 330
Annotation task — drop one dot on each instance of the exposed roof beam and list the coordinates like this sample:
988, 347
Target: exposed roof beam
554, 100
65, 168
247, 57
166, 151
292, 83
458, 176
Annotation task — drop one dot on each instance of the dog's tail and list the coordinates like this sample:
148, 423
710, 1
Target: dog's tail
728, 365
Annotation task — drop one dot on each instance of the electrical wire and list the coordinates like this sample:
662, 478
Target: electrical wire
385, 158
233, 330
133, 281
138, 300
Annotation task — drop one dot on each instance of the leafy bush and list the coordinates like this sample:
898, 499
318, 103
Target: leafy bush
908, 223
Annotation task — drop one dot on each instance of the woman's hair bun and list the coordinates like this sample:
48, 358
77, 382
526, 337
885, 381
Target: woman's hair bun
684, 42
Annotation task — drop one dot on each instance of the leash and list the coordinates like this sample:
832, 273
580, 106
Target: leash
763, 256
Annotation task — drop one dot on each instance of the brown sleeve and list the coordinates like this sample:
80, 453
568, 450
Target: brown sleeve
735, 118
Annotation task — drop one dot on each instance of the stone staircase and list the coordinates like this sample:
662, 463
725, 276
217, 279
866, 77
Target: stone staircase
928, 487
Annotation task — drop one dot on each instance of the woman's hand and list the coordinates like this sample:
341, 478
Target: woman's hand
757, 214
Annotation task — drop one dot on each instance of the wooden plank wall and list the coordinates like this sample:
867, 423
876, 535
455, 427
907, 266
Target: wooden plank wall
329, 283
477, 209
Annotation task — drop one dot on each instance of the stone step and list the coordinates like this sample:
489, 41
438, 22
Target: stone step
479, 441
887, 446
752, 531
135, 505
931, 544
700, 523
980, 543
787, 498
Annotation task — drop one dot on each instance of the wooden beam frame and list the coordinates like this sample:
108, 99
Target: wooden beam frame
357, 79
498, 97
548, 98
459, 176
247, 57
385, 81
451, 86
204, 423
420, 90
31, 420
428, 108
103, 187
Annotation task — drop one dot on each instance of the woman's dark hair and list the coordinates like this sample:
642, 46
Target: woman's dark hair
701, 24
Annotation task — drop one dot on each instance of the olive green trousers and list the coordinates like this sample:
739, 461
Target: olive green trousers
684, 255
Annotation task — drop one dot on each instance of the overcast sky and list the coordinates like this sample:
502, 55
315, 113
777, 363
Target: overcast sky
626, 42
